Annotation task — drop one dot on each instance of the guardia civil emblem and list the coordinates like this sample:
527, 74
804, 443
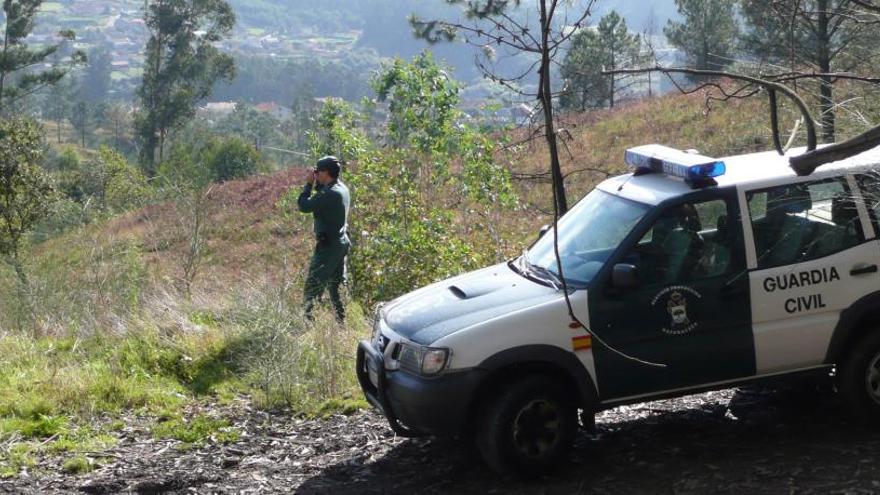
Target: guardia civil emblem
675, 300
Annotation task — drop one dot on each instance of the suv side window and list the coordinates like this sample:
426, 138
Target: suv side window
687, 242
801, 222
870, 187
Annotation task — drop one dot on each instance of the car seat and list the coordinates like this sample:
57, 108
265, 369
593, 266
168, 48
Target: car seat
786, 233
716, 255
683, 245
844, 232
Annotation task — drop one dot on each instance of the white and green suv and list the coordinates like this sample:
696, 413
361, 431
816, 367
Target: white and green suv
689, 274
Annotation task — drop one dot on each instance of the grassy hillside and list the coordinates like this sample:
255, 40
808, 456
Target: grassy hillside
593, 144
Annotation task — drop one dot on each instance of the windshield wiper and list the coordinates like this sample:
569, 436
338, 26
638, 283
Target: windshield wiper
548, 275
539, 272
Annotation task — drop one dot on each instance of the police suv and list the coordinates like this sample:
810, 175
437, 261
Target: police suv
689, 274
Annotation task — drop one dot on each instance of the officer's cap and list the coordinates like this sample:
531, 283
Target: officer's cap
330, 164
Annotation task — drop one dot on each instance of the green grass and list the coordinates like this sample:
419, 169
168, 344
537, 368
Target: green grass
18, 457
197, 430
34, 427
342, 405
77, 464
68, 396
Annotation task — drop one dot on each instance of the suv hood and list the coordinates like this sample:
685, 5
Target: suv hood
443, 308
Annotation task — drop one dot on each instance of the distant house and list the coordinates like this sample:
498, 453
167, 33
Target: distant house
277, 111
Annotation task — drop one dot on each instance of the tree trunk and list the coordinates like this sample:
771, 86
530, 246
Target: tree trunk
826, 91
612, 78
3, 72
545, 95
161, 145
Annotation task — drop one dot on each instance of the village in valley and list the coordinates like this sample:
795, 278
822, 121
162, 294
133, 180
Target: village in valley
118, 27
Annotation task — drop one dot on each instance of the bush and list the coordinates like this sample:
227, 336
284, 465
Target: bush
208, 158
122, 186
106, 183
232, 158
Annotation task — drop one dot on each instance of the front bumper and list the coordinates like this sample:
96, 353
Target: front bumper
416, 405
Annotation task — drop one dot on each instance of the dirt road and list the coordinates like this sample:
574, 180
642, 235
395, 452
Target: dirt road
734, 441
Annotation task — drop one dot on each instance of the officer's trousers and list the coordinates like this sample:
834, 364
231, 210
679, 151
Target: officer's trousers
327, 270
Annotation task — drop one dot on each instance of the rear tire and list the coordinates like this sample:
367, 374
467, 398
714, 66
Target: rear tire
529, 427
859, 381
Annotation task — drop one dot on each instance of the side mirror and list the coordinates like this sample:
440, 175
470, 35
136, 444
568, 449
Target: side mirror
624, 276
544, 230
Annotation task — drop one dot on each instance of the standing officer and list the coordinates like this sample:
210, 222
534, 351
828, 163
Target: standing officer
329, 205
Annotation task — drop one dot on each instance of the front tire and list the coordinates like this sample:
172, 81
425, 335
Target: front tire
529, 427
859, 383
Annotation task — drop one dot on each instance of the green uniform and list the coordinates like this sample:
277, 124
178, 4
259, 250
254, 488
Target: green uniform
329, 205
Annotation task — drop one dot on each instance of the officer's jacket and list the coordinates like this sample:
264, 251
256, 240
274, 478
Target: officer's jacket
330, 206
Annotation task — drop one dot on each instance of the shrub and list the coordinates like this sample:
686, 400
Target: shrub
231, 158
208, 158
121, 185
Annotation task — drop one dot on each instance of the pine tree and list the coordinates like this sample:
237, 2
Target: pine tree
21, 72
822, 36
609, 46
708, 33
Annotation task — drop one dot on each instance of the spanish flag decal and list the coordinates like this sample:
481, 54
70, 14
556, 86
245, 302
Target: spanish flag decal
582, 342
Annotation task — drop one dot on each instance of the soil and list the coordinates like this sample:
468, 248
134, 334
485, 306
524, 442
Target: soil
755, 440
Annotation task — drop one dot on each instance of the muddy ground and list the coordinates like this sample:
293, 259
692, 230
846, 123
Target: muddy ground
791, 440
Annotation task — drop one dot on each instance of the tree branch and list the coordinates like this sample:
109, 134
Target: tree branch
806, 163
867, 5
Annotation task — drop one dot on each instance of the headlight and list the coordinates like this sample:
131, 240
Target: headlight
377, 322
423, 360
434, 360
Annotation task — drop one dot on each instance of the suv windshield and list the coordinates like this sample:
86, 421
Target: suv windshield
588, 234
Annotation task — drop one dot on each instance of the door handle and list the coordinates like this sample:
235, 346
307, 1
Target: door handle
863, 270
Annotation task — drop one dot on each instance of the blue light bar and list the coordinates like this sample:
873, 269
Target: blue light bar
694, 169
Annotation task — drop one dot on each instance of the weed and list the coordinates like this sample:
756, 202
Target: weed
77, 464
39, 427
116, 425
82, 439
345, 406
198, 430
18, 458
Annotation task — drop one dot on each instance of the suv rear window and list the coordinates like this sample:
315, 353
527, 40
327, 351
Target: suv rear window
794, 223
